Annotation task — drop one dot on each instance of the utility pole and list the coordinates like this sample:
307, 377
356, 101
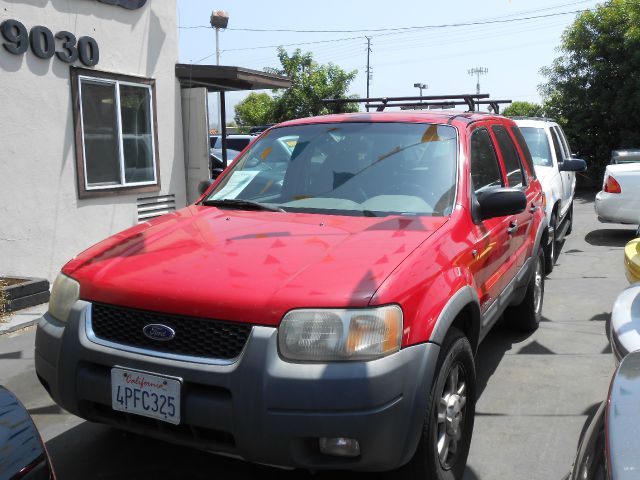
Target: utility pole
368, 65
478, 71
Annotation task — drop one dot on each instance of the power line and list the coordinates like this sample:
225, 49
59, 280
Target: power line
400, 32
403, 29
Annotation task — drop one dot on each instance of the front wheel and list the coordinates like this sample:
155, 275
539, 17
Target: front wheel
446, 435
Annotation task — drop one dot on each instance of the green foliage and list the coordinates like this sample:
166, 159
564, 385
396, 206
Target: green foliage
523, 109
310, 83
255, 109
593, 87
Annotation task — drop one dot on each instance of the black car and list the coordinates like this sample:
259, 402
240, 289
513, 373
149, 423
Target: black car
22, 454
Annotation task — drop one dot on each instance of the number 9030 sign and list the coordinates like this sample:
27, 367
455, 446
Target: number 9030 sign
43, 44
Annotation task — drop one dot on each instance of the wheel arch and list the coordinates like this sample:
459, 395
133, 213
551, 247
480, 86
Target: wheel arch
462, 311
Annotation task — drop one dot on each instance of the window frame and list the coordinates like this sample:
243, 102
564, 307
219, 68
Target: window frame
78, 75
558, 147
525, 154
503, 156
564, 142
501, 169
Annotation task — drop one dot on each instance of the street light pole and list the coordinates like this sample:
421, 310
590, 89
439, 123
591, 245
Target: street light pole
421, 86
220, 19
217, 46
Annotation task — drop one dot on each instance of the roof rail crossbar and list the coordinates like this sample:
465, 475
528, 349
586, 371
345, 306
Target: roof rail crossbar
495, 104
382, 102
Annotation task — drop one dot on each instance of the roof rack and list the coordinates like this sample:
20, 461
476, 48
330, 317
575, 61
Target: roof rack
423, 102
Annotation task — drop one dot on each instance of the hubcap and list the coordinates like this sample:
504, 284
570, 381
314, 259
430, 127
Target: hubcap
451, 408
537, 286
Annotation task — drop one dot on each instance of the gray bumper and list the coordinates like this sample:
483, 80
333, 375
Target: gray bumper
625, 322
260, 407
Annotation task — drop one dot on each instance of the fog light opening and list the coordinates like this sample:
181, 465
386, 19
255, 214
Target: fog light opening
340, 446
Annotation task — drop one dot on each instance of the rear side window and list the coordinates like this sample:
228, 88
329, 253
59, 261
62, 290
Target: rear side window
557, 146
512, 163
525, 150
485, 169
565, 143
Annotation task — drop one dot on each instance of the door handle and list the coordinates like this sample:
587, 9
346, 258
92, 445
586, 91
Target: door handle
513, 227
533, 208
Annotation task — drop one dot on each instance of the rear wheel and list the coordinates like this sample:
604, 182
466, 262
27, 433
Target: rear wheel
570, 219
528, 314
550, 250
446, 435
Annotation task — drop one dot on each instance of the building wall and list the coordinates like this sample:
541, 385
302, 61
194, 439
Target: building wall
43, 223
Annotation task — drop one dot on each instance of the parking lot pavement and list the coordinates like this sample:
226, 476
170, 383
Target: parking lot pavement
537, 390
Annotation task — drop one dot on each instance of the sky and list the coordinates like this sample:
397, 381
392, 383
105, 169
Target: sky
497, 35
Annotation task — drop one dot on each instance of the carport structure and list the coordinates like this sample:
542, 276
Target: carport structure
219, 78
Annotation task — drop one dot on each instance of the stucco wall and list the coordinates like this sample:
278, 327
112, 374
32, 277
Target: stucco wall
42, 222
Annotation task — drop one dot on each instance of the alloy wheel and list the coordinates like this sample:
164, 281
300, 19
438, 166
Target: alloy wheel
451, 415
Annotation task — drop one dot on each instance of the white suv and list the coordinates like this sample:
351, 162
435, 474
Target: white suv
555, 168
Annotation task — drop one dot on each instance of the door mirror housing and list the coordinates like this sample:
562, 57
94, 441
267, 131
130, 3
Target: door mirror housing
501, 202
573, 165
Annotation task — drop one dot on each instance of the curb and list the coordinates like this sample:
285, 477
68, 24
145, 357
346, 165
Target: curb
23, 318
6, 328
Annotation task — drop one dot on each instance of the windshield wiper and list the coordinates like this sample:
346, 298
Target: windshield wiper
239, 203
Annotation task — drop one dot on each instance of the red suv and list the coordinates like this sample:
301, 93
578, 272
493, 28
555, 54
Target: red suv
320, 306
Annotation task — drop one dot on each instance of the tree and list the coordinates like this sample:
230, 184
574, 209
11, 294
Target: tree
524, 109
593, 87
310, 83
255, 109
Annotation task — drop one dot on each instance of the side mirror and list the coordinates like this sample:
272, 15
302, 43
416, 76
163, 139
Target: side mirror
501, 202
216, 172
204, 185
573, 165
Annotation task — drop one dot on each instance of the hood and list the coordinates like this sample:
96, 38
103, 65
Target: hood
544, 173
247, 266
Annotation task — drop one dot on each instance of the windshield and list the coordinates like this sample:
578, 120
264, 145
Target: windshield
349, 169
538, 144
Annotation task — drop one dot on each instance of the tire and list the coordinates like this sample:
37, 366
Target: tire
550, 250
450, 415
570, 219
527, 315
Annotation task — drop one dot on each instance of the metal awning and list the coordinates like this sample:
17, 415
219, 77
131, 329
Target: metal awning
220, 78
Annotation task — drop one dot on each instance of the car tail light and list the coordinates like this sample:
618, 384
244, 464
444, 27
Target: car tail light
611, 185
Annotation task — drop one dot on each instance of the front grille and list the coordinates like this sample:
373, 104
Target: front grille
194, 337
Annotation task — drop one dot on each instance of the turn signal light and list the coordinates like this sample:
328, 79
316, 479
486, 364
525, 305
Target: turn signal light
611, 185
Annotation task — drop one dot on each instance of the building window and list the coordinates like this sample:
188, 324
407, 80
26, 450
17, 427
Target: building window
116, 135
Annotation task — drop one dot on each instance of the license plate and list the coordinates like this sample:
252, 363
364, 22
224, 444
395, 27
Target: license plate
145, 394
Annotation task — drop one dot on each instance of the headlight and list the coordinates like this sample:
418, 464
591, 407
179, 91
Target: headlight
316, 335
64, 293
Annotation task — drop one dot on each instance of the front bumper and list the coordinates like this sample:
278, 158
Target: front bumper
260, 407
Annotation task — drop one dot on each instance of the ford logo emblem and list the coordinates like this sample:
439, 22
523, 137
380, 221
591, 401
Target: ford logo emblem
157, 331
